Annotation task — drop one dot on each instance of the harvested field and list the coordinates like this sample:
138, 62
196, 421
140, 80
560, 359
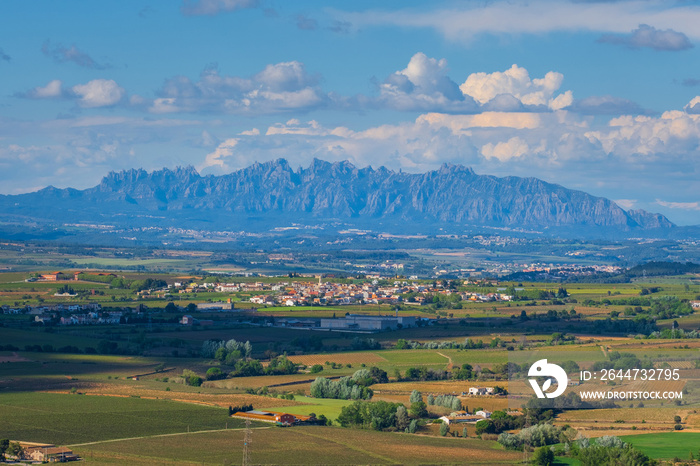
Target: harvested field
633, 416
285, 382
207, 399
449, 387
339, 358
14, 357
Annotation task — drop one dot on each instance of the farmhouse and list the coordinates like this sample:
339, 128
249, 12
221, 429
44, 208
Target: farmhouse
695, 304
464, 417
481, 390
54, 276
461, 419
187, 320
283, 419
46, 452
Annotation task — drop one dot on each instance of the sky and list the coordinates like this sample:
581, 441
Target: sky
599, 96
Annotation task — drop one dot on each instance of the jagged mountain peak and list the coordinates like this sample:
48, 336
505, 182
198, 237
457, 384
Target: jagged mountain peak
451, 195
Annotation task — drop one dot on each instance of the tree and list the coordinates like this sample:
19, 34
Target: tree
4, 444
412, 427
444, 428
415, 396
418, 409
214, 373
464, 432
677, 419
543, 456
402, 420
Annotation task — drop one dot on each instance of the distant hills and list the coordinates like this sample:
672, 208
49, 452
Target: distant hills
274, 194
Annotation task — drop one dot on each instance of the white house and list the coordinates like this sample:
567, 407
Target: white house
481, 390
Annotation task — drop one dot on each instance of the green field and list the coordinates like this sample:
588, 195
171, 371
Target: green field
70, 419
328, 407
667, 445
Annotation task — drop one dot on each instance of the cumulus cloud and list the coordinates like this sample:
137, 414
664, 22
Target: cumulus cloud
643, 138
424, 85
62, 54
214, 7
98, 93
693, 106
278, 88
4, 56
650, 37
516, 82
503, 151
561, 144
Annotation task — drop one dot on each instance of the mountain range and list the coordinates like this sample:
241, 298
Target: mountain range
275, 194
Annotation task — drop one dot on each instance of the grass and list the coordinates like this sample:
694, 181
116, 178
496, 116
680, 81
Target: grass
667, 445
67, 419
328, 407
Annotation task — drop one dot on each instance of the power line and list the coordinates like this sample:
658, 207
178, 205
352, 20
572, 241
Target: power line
247, 439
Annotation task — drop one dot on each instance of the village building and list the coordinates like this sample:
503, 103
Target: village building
218, 306
368, 323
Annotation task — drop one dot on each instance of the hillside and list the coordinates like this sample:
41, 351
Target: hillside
273, 192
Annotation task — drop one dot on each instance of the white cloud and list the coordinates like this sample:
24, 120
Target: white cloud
516, 82
280, 87
52, 90
503, 151
216, 158
285, 77
650, 37
98, 93
679, 205
61, 54
626, 204
674, 133
693, 106
461, 123
214, 7
462, 23
424, 85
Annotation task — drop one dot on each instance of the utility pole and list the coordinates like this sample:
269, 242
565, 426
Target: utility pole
247, 439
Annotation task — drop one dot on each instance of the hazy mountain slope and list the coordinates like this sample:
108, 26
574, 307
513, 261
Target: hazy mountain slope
453, 194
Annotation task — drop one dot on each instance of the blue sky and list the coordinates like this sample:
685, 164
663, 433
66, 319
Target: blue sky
594, 95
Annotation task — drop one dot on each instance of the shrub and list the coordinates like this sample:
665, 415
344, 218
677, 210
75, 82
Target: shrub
214, 373
543, 456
